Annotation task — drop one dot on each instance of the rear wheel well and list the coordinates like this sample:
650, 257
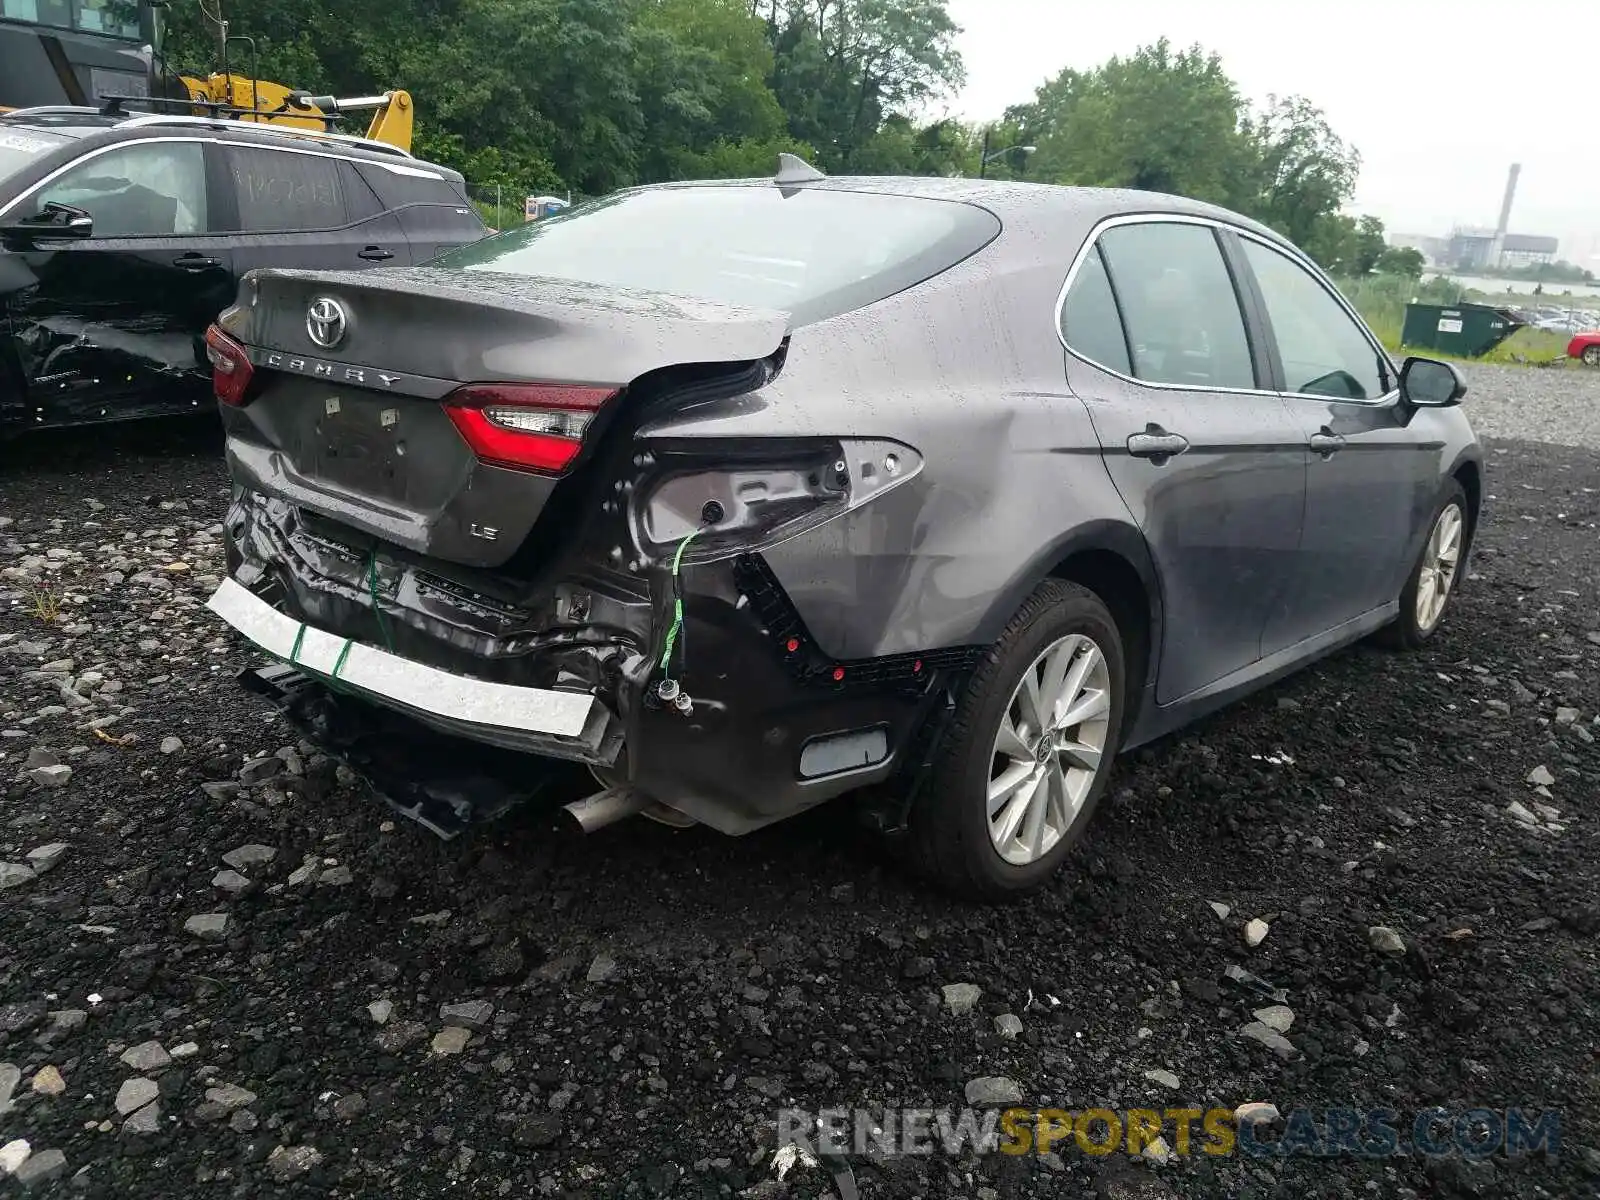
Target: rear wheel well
1119, 586
1470, 476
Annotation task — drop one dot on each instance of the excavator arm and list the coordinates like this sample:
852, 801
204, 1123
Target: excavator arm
275, 104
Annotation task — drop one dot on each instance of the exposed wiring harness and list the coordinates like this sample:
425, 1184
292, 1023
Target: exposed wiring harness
675, 633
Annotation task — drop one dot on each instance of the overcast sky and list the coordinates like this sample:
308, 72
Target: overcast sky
1440, 98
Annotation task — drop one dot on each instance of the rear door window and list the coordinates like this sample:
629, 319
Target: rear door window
810, 252
1185, 326
1090, 322
284, 190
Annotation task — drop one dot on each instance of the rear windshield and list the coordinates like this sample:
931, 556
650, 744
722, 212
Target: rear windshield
813, 253
21, 147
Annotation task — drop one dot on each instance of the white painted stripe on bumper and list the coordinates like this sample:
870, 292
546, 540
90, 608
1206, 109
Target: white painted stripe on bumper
399, 680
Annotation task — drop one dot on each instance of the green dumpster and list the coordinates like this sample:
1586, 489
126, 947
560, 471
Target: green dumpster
1464, 330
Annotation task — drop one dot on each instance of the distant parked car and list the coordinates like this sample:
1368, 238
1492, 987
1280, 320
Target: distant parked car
1586, 348
751, 494
123, 235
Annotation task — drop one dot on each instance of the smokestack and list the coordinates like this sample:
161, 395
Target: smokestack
1505, 205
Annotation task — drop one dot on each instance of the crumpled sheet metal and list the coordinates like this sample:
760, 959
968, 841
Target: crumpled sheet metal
399, 680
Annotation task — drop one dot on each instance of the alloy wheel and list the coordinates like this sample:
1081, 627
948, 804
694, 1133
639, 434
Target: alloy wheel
1439, 562
1591, 355
1048, 749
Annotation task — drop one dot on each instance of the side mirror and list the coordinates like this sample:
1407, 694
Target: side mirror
55, 221
1429, 383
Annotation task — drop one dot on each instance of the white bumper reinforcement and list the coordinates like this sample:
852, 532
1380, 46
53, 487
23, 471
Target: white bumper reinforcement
403, 683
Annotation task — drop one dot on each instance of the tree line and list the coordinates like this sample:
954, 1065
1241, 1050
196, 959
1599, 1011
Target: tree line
538, 96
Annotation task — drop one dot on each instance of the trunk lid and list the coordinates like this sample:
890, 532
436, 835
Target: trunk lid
354, 424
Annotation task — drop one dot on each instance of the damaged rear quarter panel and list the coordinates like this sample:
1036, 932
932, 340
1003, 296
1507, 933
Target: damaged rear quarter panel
1011, 458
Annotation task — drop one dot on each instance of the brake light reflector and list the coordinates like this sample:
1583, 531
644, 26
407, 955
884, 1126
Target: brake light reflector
525, 426
231, 371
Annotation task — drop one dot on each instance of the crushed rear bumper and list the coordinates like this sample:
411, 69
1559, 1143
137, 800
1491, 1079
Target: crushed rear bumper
568, 670
569, 724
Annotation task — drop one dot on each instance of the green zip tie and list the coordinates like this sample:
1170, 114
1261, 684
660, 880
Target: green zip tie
372, 584
294, 651
677, 603
344, 653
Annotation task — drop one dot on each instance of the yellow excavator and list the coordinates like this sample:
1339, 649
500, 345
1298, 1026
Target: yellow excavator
262, 100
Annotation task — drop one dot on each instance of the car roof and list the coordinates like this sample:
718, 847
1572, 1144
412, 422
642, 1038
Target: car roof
85, 123
1079, 207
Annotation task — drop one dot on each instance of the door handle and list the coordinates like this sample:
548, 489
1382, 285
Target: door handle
1326, 443
1157, 444
375, 254
195, 262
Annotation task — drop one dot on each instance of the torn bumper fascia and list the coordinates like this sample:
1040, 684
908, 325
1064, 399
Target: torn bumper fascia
524, 718
732, 763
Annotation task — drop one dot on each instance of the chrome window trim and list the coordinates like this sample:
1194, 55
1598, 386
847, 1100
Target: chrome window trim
96, 152
1180, 218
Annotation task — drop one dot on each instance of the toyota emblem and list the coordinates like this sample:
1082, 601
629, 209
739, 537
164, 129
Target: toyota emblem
326, 322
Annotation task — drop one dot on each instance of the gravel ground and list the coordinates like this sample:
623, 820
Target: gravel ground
225, 971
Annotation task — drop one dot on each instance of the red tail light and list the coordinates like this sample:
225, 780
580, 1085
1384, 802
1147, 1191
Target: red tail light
525, 426
231, 371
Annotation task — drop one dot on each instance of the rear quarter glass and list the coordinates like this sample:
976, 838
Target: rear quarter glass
811, 253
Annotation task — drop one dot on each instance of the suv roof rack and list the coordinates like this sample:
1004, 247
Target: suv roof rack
334, 111
265, 127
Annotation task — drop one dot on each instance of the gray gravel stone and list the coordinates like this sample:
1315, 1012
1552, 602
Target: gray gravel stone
51, 777
1008, 1025
10, 1077
41, 1168
146, 1056
171, 745
13, 875
231, 882
135, 1093
380, 1011
990, 1091
602, 968
402, 1035
144, 1122
208, 927
1276, 1017
43, 858
1385, 940
230, 1096
960, 998
250, 855
290, 1162
1270, 1038
451, 1040
468, 1014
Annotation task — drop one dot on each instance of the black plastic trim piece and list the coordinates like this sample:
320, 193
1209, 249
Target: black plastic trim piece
800, 654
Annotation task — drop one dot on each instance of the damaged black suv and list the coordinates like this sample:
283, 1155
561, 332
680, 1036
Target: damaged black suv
746, 495
123, 235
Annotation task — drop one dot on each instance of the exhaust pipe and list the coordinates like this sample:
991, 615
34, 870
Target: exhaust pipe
607, 807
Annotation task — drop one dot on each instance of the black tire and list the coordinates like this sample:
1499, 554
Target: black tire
1406, 632
949, 833
1591, 356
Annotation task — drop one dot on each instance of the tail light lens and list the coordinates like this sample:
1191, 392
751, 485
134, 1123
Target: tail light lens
525, 426
231, 371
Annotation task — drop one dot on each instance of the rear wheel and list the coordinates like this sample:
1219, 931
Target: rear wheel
1433, 579
1591, 356
1027, 756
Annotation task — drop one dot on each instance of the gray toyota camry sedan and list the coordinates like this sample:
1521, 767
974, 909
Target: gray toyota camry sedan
751, 494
